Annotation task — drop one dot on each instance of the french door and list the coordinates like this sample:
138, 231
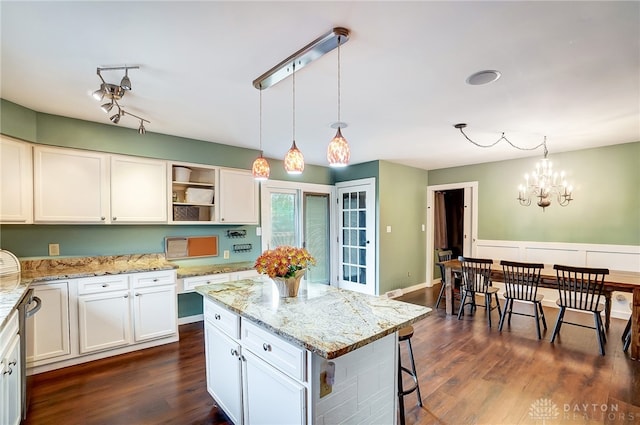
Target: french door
356, 236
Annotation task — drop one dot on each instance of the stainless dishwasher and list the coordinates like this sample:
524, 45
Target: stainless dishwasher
28, 305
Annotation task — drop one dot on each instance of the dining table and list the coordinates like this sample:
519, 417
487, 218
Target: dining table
623, 281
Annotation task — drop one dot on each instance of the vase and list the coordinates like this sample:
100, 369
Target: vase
288, 286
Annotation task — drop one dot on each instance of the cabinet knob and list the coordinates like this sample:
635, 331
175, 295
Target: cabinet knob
103, 218
266, 347
222, 219
126, 295
104, 285
217, 316
114, 218
137, 294
156, 279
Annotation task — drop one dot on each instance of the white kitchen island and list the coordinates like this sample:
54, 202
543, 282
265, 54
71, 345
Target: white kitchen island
328, 356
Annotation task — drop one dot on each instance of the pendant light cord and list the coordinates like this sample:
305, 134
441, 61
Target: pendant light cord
260, 138
294, 100
339, 80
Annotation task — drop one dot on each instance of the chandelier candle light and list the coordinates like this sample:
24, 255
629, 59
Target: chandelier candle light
543, 183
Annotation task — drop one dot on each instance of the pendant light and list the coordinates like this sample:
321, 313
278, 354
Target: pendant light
260, 168
338, 152
293, 160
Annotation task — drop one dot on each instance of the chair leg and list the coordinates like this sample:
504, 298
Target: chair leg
627, 336
627, 330
440, 294
544, 322
556, 329
400, 390
487, 304
415, 373
462, 301
498, 304
504, 313
535, 312
600, 330
510, 306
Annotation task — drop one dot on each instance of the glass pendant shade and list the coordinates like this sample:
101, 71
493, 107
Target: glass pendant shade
293, 160
260, 169
338, 152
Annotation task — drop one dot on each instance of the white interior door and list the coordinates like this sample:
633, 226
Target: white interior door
356, 236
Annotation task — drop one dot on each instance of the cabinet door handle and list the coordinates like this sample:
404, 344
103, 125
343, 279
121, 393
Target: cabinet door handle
13, 363
104, 285
242, 358
137, 294
114, 218
156, 279
266, 347
8, 371
103, 218
126, 295
217, 316
234, 352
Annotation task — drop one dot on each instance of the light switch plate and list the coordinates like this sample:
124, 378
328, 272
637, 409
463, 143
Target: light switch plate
226, 254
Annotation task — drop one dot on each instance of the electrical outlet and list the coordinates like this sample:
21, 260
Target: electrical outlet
226, 254
324, 387
54, 249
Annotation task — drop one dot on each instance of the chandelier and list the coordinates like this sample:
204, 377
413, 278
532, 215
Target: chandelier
543, 183
115, 92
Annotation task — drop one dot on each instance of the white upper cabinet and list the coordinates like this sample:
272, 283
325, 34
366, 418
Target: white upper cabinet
16, 181
138, 190
76, 186
70, 185
237, 197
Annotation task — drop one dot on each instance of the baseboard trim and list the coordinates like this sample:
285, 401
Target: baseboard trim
190, 319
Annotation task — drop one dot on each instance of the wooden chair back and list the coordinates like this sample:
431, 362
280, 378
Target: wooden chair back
476, 273
580, 288
521, 280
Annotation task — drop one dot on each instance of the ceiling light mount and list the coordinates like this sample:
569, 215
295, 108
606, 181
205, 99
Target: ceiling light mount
116, 92
303, 57
481, 78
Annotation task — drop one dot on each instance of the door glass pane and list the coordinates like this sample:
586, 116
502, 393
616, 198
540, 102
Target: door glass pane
283, 220
316, 234
354, 237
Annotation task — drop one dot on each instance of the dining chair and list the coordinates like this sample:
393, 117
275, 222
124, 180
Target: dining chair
476, 279
521, 282
581, 289
446, 255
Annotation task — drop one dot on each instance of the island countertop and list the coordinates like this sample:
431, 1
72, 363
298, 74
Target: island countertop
324, 320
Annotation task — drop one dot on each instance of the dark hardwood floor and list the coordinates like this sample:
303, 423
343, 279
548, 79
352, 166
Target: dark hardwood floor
468, 374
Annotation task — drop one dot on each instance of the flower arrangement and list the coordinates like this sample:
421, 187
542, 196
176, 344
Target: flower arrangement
284, 261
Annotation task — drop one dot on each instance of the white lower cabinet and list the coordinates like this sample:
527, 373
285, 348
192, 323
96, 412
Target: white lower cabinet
245, 377
49, 329
101, 316
224, 372
10, 379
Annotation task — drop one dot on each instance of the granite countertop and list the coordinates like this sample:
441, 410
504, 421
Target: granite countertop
49, 269
325, 320
203, 270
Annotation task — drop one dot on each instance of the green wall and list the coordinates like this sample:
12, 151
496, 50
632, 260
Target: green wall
403, 206
605, 210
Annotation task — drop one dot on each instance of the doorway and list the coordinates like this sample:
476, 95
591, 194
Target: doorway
461, 229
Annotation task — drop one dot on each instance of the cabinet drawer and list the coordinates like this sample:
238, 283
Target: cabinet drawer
279, 353
190, 283
225, 320
93, 285
146, 279
246, 274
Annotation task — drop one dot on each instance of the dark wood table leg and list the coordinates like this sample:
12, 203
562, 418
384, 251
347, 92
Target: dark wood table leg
635, 325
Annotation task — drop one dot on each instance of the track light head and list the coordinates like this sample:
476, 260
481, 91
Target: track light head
107, 106
99, 94
125, 83
141, 129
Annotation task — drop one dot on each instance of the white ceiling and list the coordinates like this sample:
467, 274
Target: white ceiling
570, 72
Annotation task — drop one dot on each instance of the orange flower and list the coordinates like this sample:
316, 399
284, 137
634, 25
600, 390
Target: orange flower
284, 261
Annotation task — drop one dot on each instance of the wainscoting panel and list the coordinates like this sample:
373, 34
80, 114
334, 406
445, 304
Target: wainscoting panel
613, 257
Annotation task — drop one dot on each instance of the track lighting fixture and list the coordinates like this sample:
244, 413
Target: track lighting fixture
115, 92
